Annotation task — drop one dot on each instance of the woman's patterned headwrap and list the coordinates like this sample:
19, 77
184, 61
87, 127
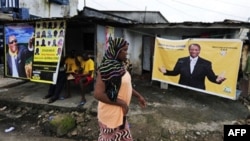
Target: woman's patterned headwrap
112, 69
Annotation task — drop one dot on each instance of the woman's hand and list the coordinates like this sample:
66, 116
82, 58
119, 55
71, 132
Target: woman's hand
124, 106
142, 102
140, 98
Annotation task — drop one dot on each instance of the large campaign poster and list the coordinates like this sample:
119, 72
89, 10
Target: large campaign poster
19, 48
215, 71
49, 43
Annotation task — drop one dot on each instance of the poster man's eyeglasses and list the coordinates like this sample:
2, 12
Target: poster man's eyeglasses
11, 42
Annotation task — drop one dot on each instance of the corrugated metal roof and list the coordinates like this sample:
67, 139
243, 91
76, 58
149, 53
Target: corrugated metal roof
89, 15
223, 24
117, 17
97, 15
141, 16
125, 17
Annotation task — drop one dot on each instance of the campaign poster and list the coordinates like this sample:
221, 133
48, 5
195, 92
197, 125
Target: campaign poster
19, 49
215, 70
49, 43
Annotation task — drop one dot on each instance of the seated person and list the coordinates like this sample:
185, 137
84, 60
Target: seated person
55, 89
87, 76
80, 69
73, 66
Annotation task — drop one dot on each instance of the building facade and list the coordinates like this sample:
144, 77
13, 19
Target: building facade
33, 9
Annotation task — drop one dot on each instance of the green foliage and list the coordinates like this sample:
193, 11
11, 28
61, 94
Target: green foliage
63, 123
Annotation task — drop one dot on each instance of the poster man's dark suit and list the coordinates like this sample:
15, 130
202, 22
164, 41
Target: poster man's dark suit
20, 60
202, 69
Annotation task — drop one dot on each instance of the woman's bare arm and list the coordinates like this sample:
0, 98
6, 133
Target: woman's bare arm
99, 94
140, 98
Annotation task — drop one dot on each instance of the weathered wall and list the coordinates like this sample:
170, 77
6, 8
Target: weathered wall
135, 50
43, 8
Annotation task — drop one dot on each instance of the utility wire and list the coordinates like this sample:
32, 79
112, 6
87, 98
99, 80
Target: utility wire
218, 12
128, 4
234, 4
181, 11
99, 4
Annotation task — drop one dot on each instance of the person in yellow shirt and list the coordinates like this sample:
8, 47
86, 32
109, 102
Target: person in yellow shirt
72, 62
80, 69
87, 76
73, 68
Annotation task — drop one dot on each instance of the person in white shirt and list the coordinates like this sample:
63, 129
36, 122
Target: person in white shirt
17, 56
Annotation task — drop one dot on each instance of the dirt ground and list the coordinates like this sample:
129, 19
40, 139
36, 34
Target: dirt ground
175, 114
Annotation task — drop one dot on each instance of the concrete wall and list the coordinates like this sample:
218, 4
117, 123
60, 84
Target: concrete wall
43, 8
135, 50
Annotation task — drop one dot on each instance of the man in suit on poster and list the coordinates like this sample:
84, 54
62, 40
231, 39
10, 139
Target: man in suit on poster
193, 70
